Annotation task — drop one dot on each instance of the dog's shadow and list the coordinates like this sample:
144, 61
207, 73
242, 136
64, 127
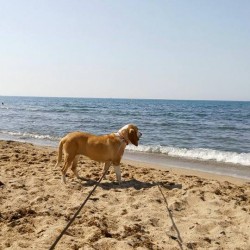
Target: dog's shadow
133, 183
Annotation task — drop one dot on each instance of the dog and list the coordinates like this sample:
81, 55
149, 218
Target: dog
107, 149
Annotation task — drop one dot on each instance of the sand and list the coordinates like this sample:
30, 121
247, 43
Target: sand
152, 209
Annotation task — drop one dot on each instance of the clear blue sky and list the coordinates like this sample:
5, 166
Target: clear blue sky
178, 49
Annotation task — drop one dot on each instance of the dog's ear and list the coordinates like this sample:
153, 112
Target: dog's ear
132, 135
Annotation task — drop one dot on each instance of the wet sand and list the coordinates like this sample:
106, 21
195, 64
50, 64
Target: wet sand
211, 167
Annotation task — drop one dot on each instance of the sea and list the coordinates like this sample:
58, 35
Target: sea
210, 136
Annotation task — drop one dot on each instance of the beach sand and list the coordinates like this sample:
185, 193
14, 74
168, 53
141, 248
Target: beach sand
152, 208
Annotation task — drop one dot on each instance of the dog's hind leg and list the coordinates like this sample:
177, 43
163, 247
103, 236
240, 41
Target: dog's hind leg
105, 168
60, 152
67, 163
74, 166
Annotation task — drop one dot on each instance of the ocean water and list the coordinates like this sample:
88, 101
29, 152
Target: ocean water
207, 131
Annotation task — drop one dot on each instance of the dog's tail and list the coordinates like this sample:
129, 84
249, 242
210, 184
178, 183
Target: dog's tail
60, 149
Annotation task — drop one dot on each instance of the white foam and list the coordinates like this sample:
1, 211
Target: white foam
29, 135
202, 154
197, 154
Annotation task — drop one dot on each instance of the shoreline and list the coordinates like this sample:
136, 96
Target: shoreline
202, 168
189, 172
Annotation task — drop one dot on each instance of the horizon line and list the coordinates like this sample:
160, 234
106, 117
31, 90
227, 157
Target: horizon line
125, 98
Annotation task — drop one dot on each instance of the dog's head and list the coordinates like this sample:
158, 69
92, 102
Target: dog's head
131, 134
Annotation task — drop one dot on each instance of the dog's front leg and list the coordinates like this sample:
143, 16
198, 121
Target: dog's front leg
118, 173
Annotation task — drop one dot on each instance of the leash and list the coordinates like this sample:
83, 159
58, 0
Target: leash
78, 211
178, 238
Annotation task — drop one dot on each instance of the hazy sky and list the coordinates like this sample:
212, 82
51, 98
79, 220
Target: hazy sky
178, 49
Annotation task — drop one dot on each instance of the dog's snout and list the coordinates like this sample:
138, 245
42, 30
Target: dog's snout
140, 134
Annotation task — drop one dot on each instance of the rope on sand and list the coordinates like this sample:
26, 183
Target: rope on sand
77, 212
178, 238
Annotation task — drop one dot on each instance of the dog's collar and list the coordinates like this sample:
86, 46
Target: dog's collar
122, 137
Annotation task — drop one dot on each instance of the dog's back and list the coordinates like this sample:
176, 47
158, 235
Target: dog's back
99, 148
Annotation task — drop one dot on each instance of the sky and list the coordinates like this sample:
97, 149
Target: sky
169, 49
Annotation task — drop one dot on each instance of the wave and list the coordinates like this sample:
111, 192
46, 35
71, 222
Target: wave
4, 107
202, 154
26, 136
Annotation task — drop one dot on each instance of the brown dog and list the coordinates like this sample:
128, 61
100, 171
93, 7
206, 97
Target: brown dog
108, 148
